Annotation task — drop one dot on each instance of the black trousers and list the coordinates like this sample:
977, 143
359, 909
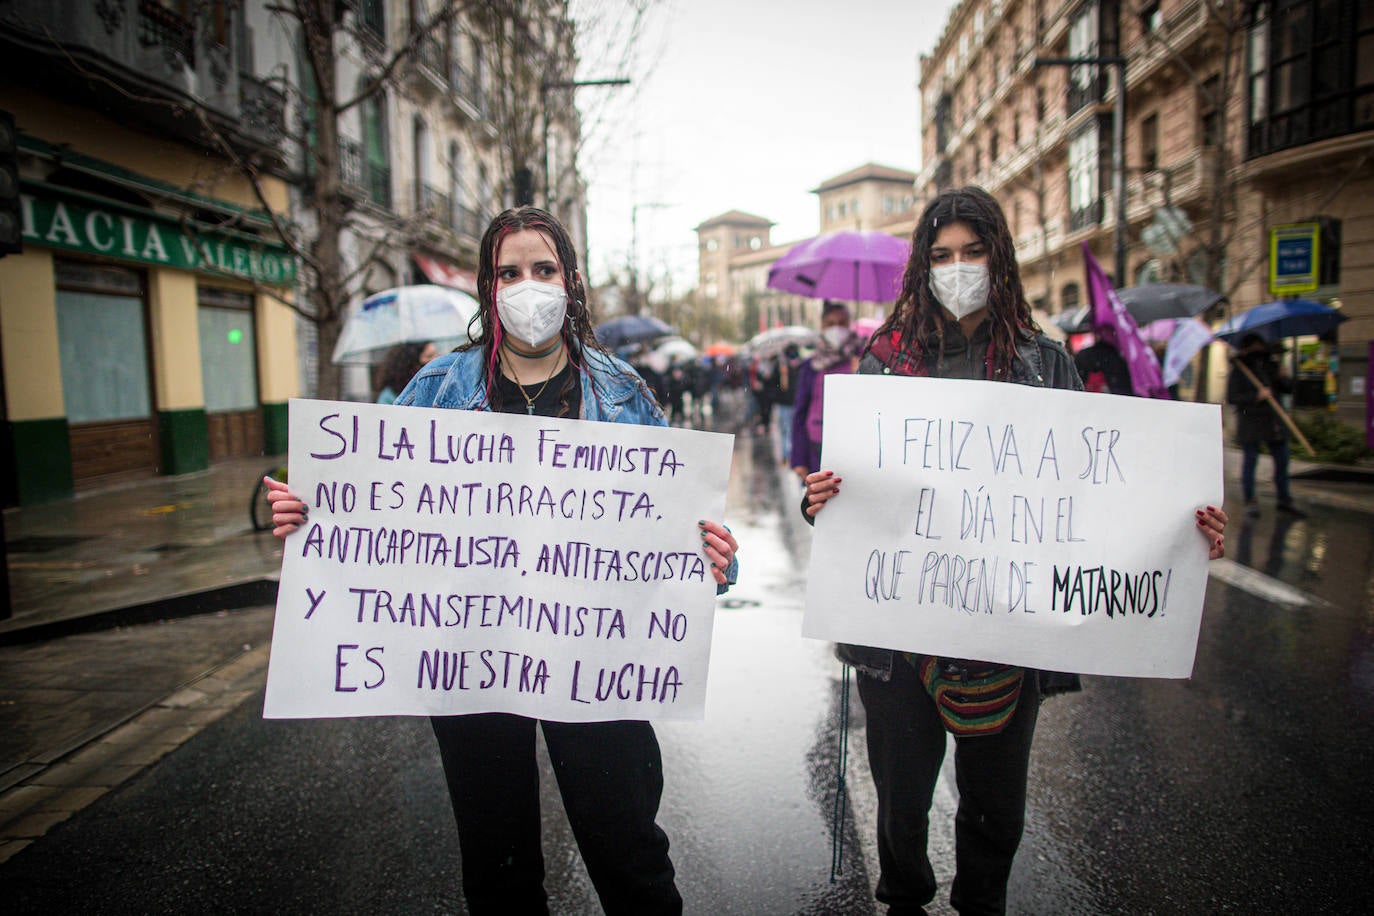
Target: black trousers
906, 745
610, 775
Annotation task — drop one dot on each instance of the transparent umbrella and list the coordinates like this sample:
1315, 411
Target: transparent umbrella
406, 314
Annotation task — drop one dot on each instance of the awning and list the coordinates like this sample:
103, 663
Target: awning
446, 274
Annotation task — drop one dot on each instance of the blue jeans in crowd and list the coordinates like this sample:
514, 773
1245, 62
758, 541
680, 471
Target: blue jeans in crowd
1278, 450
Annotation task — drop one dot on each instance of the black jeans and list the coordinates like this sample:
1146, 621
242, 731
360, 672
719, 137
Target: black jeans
906, 745
610, 775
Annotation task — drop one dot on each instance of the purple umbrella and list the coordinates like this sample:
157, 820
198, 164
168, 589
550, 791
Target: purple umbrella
858, 266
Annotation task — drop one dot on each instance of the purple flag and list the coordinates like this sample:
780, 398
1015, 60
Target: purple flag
1113, 324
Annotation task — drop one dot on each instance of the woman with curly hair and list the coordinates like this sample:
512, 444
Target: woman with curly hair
399, 367
961, 314
535, 354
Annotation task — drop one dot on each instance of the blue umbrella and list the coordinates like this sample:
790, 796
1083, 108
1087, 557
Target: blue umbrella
632, 329
1284, 318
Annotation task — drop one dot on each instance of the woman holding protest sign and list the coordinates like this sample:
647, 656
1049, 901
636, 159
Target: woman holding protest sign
961, 314
536, 354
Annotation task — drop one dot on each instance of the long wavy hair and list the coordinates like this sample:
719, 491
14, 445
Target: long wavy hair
577, 332
918, 316
398, 367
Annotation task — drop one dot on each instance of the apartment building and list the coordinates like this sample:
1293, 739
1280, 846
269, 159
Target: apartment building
735, 250
1238, 119
176, 188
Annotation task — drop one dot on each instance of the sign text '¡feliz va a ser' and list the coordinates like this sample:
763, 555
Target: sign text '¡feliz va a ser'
435, 446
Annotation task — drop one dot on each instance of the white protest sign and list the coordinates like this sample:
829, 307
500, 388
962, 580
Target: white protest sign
462, 561
1004, 523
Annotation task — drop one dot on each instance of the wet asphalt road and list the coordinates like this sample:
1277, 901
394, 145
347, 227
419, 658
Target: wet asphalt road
1244, 789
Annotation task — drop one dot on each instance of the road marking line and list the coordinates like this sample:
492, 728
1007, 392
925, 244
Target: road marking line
1258, 584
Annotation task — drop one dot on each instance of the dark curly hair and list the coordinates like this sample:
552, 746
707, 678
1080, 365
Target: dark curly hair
398, 367
919, 317
577, 332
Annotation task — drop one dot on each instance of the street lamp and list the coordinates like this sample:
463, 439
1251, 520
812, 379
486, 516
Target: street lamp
1118, 144
544, 103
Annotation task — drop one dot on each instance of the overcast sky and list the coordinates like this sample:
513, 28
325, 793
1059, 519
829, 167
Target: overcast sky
739, 104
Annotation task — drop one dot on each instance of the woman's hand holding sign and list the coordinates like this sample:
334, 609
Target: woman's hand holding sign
289, 511
720, 547
1211, 521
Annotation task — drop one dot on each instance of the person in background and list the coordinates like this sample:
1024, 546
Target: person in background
763, 387
834, 356
536, 355
1103, 369
1257, 420
399, 366
789, 362
962, 314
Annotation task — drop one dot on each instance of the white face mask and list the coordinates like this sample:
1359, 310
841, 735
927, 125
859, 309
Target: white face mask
836, 335
961, 288
532, 312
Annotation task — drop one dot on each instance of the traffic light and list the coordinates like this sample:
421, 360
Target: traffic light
11, 223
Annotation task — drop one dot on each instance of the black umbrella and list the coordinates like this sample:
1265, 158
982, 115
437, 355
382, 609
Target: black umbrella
1154, 301
632, 329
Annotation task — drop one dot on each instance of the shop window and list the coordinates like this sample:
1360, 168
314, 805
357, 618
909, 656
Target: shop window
102, 340
228, 361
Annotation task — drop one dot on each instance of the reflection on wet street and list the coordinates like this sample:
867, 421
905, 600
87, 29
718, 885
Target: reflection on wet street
757, 776
1244, 788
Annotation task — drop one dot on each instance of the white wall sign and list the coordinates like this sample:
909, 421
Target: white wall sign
460, 561
1028, 526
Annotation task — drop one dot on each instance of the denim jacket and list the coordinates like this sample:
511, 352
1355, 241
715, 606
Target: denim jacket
1041, 363
612, 392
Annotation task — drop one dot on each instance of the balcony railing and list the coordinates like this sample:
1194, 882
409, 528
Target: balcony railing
465, 84
372, 179
467, 221
432, 203
160, 27
430, 53
1088, 215
262, 109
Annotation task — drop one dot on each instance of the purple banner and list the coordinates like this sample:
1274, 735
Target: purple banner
1113, 324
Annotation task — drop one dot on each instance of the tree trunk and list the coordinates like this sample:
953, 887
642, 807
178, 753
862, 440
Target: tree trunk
327, 293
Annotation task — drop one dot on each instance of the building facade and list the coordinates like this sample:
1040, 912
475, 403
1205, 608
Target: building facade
143, 326
1239, 118
171, 157
735, 250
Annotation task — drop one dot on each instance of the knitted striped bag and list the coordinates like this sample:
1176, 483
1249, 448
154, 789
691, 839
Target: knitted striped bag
974, 698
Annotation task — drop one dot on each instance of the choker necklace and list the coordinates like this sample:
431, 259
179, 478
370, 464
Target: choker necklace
529, 401
557, 342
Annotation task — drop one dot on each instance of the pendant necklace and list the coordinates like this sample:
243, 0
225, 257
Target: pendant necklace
529, 401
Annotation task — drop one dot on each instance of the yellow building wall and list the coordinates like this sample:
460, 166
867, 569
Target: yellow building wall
176, 339
96, 135
278, 378
28, 326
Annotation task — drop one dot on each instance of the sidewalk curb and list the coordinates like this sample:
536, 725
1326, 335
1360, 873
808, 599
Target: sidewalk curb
41, 793
250, 593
